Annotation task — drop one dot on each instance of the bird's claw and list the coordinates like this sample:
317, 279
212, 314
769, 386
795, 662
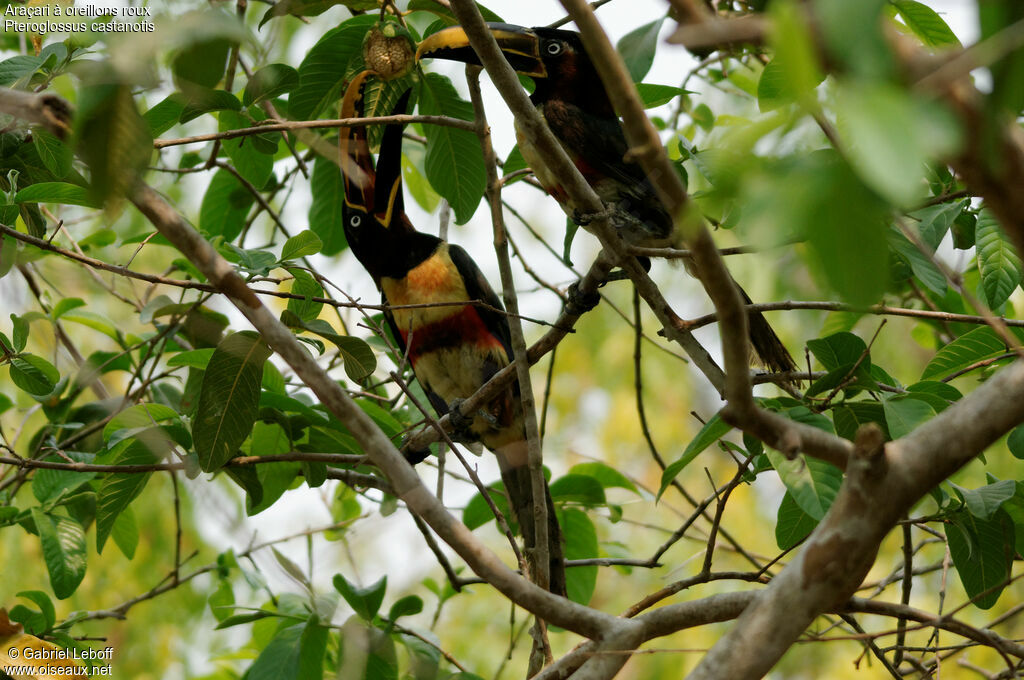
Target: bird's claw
459, 420
578, 303
581, 219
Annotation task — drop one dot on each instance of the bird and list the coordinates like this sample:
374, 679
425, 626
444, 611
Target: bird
455, 346
571, 98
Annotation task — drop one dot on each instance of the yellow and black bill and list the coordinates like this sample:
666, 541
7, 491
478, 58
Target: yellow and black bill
520, 45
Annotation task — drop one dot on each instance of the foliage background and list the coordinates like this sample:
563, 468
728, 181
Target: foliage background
591, 413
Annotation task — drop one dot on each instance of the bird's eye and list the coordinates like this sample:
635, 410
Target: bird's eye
355, 221
554, 48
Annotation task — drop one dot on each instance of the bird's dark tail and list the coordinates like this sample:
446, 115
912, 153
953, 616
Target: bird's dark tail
520, 494
769, 349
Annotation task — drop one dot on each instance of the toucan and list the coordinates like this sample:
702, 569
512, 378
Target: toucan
453, 348
570, 96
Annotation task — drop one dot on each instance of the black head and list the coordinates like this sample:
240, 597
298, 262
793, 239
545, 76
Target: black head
555, 59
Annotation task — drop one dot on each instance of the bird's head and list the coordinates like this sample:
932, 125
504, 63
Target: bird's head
555, 59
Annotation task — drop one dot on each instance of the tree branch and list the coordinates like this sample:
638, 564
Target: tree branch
378, 447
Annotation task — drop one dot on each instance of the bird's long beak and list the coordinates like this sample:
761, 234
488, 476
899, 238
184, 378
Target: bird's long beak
387, 200
520, 45
356, 162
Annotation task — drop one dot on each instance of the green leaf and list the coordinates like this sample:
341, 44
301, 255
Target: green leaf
712, 431
580, 489
18, 67
943, 394
638, 47
113, 139
367, 653
904, 415
203, 100
301, 245
1015, 442
164, 115
792, 524
56, 192
225, 206
19, 335
94, 321
55, 154
406, 606
328, 191
890, 134
270, 81
777, 85
925, 23
322, 72
454, 162
982, 552
36, 621
125, 533
606, 475
365, 601
241, 619
140, 415
63, 543
652, 96
33, 374
65, 305
970, 348
812, 482
305, 284
360, 361
201, 63
936, 220
118, 490
984, 501
998, 262
794, 72
281, 658
8, 250
477, 513
920, 263
245, 153
818, 197
196, 358
852, 32
229, 400
416, 181
580, 543
838, 350
48, 485
312, 649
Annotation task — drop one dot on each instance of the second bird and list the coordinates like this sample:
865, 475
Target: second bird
570, 96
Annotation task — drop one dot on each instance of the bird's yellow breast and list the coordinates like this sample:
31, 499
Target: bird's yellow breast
434, 280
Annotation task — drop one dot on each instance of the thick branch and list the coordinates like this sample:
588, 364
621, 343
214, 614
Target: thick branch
882, 483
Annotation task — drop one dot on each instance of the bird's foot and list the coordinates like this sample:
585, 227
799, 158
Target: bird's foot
582, 219
578, 303
459, 420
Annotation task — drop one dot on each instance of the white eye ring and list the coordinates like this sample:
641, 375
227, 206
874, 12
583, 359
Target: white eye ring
554, 48
355, 221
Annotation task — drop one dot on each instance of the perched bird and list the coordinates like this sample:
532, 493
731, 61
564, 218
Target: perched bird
570, 96
453, 348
